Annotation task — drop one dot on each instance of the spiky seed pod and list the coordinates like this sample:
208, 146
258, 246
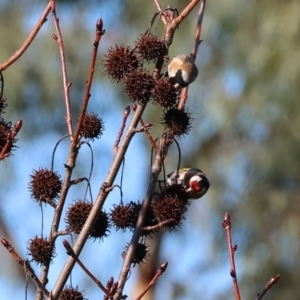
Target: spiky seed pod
92, 127
168, 207
5, 128
177, 121
3, 104
138, 86
45, 186
141, 253
150, 47
149, 220
77, 214
165, 94
71, 293
101, 227
175, 190
41, 250
122, 216
119, 62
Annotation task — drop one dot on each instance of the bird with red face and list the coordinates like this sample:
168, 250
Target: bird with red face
193, 180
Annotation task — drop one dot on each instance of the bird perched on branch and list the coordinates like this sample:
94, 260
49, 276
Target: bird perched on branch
193, 180
182, 71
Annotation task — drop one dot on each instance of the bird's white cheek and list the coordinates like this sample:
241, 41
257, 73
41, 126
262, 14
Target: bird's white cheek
185, 76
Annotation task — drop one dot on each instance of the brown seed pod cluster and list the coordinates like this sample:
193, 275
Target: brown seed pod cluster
120, 61
164, 94
138, 86
123, 216
126, 66
126, 216
5, 129
41, 250
101, 226
169, 208
178, 122
140, 255
45, 186
70, 292
92, 127
77, 214
150, 47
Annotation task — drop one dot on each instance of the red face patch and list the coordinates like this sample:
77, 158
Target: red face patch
195, 185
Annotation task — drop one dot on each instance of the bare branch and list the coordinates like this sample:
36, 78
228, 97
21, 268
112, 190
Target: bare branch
160, 11
184, 93
83, 267
58, 38
231, 249
150, 138
186, 11
25, 265
159, 225
82, 237
121, 131
30, 38
159, 272
165, 143
271, 282
99, 33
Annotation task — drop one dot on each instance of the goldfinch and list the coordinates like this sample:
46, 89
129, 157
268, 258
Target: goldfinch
193, 180
182, 71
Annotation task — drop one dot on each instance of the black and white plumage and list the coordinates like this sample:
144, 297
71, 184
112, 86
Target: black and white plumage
193, 180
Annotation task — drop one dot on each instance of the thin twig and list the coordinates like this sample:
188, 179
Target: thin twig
231, 249
150, 138
186, 11
173, 21
157, 5
159, 225
54, 150
88, 186
74, 256
161, 13
78, 180
121, 131
25, 265
99, 33
29, 40
144, 127
63, 232
184, 93
165, 143
58, 38
268, 286
159, 272
109, 285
